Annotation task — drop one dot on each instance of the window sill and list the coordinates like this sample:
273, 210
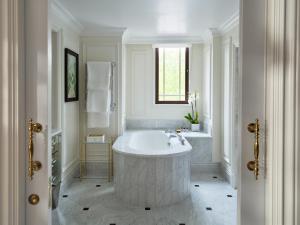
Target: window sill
172, 104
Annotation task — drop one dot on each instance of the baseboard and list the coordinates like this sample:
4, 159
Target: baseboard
69, 173
96, 169
226, 171
205, 168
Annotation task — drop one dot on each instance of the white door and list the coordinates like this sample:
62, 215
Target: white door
36, 60
252, 191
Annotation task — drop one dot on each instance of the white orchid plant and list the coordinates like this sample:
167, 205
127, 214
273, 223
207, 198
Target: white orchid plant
193, 117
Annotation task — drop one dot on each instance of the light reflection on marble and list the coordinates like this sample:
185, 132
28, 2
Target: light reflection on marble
105, 208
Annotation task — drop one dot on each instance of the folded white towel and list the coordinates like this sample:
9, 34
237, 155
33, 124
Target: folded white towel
99, 74
98, 120
98, 100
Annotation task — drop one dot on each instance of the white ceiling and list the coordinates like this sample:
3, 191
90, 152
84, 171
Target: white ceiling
152, 18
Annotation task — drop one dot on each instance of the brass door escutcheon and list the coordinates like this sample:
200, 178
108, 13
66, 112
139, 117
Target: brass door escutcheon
33, 199
254, 164
33, 165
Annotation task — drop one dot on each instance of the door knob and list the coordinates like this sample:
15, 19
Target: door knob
34, 199
254, 164
33, 165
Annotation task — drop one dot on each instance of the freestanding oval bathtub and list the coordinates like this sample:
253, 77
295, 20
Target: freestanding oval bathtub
151, 168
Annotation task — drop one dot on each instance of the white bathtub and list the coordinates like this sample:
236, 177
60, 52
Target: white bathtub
151, 170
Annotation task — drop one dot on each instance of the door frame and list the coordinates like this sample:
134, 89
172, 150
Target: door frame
282, 112
283, 126
12, 112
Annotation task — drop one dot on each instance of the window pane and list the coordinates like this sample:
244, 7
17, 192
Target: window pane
161, 75
172, 74
171, 71
172, 98
182, 73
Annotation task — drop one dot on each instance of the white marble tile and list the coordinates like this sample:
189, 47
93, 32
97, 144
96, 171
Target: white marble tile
105, 208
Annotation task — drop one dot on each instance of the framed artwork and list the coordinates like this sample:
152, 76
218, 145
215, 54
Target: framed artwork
71, 76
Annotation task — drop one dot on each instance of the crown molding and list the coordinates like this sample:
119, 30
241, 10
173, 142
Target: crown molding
104, 32
163, 40
229, 24
210, 34
58, 11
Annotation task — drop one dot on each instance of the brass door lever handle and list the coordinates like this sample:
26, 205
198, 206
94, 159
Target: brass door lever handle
33, 165
254, 165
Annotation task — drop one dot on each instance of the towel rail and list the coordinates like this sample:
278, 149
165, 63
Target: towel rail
112, 103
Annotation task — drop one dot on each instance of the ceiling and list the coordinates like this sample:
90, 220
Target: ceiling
151, 18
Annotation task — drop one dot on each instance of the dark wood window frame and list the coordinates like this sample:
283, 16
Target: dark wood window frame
186, 100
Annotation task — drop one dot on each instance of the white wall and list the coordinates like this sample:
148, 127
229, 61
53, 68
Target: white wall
216, 77
70, 114
231, 90
69, 38
206, 88
220, 94
140, 83
108, 49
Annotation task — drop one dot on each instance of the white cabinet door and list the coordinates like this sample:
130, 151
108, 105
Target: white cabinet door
36, 41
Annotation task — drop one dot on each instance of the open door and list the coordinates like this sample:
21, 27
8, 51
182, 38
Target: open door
252, 168
252, 187
38, 190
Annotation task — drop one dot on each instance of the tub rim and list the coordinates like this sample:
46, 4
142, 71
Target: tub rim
121, 146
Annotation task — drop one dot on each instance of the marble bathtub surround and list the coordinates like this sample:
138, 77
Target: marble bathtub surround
151, 173
201, 142
163, 124
201, 149
152, 182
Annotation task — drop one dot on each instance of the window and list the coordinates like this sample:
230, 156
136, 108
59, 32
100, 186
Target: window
171, 75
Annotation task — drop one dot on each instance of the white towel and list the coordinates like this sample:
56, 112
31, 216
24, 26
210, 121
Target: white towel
98, 120
98, 100
98, 75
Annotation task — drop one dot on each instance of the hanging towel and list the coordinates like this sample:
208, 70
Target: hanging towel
98, 101
98, 120
99, 74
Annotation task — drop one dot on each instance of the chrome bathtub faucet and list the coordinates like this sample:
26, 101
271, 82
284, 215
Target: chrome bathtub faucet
180, 138
170, 137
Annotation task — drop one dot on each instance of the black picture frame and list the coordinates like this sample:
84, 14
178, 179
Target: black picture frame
71, 76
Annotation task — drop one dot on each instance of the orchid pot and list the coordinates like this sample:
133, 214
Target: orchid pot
195, 127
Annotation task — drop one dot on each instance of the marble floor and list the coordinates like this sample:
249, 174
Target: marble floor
92, 202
